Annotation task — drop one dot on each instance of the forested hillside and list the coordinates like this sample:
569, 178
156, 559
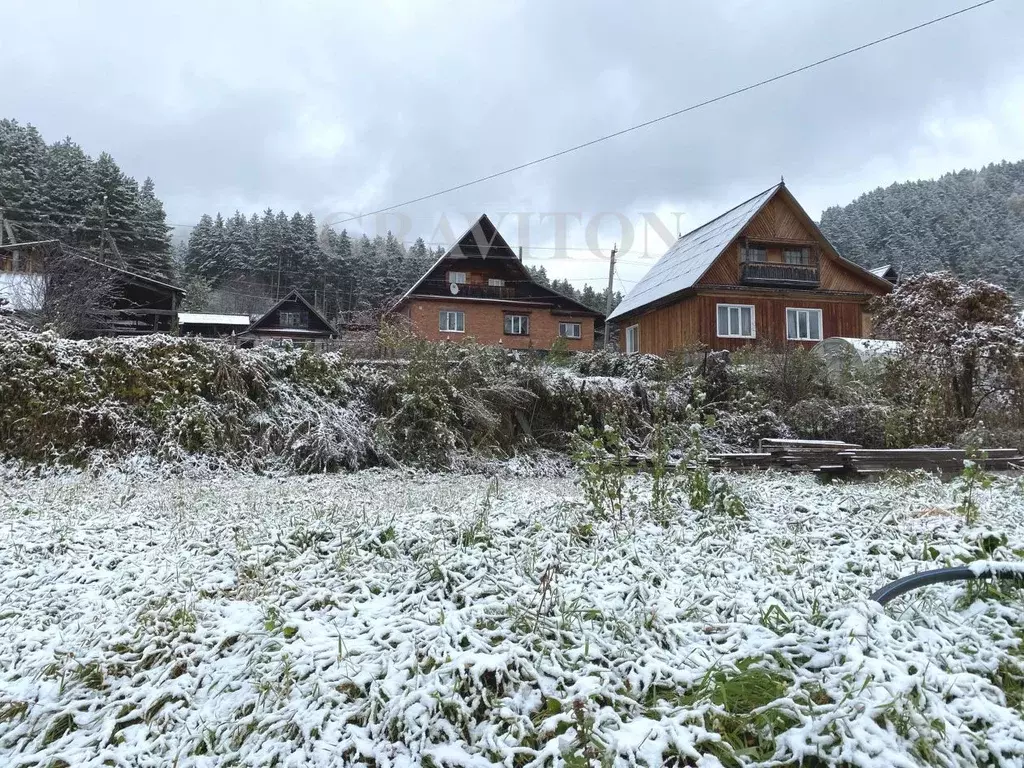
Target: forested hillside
57, 191
969, 222
241, 264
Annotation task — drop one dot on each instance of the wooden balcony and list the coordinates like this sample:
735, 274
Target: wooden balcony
782, 275
469, 290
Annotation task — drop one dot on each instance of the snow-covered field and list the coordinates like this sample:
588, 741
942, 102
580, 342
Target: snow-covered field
154, 619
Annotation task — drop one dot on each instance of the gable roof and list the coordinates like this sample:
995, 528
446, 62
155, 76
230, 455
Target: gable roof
294, 295
483, 240
480, 232
886, 271
690, 257
207, 318
61, 247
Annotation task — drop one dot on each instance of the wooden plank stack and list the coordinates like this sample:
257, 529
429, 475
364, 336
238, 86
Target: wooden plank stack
838, 459
945, 460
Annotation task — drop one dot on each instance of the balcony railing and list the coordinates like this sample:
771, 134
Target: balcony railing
469, 290
770, 273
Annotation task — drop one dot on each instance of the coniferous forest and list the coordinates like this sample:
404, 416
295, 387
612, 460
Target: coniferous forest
236, 263
56, 191
970, 223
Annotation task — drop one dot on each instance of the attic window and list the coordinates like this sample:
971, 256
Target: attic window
799, 256
292, 320
495, 282
457, 277
755, 253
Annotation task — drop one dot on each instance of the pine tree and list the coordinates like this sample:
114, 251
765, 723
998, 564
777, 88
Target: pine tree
154, 240
22, 162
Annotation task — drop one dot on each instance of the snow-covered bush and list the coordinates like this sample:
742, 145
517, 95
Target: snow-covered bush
813, 419
743, 423
862, 424
608, 362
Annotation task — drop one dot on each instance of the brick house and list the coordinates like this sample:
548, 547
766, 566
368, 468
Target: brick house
480, 290
761, 272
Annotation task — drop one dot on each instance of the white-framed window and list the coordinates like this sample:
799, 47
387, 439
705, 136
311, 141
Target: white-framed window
570, 330
736, 321
800, 256
517, 325
452, 321
495, 282
457, 277
632, 339
755, 253
803, 324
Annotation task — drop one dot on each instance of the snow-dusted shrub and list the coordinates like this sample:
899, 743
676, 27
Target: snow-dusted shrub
961, 336
171, 397
449, 397
995, 436
742, 424
785, 376
813, 419
608, 362
819, 419
862, 424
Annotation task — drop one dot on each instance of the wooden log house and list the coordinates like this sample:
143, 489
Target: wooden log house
761, 272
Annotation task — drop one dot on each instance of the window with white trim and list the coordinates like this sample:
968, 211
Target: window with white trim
517, 325
495, 282
803, 324
452, 321
457, 277
570, 330
736, 321
632, 339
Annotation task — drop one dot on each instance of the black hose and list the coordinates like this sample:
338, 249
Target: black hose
938, 576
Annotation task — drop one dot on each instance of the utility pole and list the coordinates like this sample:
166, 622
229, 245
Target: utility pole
103, 228
1, 226
608, 300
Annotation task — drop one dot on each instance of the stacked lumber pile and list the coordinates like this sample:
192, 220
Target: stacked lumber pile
946, 460
838, 459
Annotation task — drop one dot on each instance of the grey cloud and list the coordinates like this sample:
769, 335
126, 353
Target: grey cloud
215, 100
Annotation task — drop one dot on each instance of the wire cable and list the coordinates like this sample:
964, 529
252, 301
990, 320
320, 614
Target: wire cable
676, 113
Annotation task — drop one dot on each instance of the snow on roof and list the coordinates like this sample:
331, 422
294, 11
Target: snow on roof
203, 318
690, 256
23, 291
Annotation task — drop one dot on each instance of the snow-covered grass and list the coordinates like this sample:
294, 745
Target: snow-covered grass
149, 618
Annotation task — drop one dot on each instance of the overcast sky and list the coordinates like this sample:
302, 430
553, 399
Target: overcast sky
338, 107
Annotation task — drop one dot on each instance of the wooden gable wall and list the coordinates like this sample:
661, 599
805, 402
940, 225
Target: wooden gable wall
778, 222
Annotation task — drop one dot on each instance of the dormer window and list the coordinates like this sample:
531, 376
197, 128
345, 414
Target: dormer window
459, 278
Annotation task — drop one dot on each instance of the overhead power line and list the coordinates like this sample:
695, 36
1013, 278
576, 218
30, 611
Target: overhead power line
676, 113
